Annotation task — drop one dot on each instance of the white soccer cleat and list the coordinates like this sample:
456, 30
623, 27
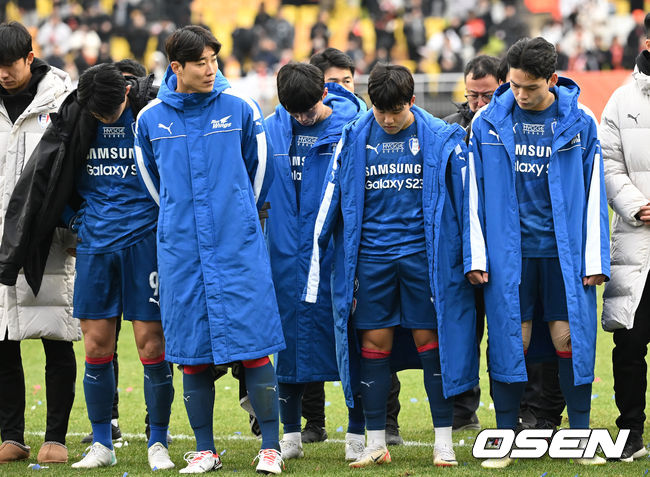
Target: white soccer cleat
269, 462
353, 449
158, 456
501, 463
201, 462
444, 455
97, 455
291, 450
595, 460
372, 456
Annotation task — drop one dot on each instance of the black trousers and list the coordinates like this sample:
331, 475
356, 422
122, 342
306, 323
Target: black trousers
313, 403
60, 376
630, 369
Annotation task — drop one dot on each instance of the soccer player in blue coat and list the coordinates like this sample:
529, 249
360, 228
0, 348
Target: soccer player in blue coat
392, 203
116, 271
202, 153
536, 230
304, 129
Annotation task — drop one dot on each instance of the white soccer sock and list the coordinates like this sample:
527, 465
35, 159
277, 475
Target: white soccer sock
293, 437
376, 439
443, 435
355, 437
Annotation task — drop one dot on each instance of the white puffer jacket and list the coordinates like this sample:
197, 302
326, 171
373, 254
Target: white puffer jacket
49, 315
625, 141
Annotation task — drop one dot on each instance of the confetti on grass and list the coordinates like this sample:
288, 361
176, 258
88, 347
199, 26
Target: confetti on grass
336, 384
129, 389
339, 429
594, 396
327, 403
223, 452
544, 474
414, 400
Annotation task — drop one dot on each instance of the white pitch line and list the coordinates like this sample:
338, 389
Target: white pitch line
232, 437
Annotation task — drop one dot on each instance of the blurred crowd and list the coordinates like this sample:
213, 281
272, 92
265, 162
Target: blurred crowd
589, 34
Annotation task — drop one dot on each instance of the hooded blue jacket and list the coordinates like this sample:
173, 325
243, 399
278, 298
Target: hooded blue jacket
340, 217
492, 236
308, 328
203, 157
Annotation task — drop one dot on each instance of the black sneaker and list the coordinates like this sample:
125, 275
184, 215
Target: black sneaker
466, 424
392, 436
634, 448
115, 435
543, 423
313, 433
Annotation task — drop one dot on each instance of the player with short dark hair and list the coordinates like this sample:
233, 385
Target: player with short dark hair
31, 90
202, 154
304, 129
116, 270
337, 67
538, 244
383, 204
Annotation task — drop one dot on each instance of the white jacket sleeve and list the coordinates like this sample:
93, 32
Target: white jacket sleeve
623, 196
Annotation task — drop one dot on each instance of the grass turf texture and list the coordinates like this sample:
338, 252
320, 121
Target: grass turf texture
327, 459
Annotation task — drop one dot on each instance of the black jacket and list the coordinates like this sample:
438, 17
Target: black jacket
47, 185
463, 117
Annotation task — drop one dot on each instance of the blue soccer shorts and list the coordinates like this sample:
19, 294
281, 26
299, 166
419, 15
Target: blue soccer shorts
542, 285
123, 282
392, 293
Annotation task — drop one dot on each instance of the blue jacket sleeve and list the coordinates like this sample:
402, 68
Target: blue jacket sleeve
455, 184
326, 219
258, 153
596, 256
474, 246
145, 161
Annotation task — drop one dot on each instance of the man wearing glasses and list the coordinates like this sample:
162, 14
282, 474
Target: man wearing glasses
480, 83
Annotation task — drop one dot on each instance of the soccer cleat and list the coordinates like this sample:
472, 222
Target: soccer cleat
291, 450
354, 449
392, 436
595, 460
201, 462
496, 463
466, 424
97, 455
158, 456
313, 433
372, 456
444, 455
269, 462
634, 448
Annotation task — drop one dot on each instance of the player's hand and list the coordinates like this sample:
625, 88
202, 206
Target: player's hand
477, 277
593, 280
644, 214
75, 221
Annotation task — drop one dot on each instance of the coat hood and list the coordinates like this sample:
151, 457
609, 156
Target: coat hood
642, 80
566, 92
168, 94
345, 107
